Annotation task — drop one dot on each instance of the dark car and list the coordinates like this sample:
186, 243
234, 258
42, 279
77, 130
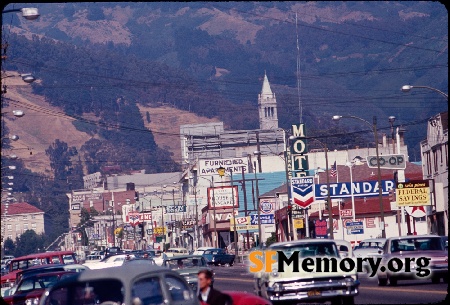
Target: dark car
220, 257
127, 284
414, 247
140, 261
188, 266
30, 288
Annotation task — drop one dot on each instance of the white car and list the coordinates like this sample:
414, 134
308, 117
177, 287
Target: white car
176, 252
112, 261
369, 248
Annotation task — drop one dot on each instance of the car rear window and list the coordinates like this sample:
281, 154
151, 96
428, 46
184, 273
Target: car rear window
148, 291
94, 292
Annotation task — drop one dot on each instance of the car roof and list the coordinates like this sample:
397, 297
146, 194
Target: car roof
373, 240
414, 236
184, 256
176, 249
302, 242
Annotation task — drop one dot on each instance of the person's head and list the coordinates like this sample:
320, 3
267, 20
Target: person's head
180, 263
145, 255
204, 278
128, 257
195, 262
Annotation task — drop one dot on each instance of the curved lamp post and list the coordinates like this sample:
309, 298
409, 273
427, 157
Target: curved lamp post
29, 13
407, 88
373, 126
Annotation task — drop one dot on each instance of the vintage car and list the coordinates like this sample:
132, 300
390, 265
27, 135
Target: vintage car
176, 252
290, 286
369, 248
140, 261
109, 261
344, 248
245, 298
188, 266
131, 284
30, 289
410, 247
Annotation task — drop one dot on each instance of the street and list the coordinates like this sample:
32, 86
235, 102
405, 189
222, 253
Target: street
406, 292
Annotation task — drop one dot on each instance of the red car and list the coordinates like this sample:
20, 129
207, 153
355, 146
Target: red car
30, 289
244, 298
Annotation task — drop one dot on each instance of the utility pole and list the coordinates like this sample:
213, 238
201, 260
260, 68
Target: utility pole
259, 152
245, 205
330, 206
236, 249
259, 212
216, 238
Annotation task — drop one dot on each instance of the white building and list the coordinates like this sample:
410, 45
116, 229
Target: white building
434, 152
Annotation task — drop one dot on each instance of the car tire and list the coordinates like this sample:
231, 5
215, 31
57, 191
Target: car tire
348, 300
337, 301
382, 282
392, 281
226, 265
435, 280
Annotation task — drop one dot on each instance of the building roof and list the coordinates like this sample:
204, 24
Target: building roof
370, 205
20, 208
266, 87
272, 193
364, 173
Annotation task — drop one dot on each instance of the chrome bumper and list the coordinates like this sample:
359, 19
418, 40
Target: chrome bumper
314, 290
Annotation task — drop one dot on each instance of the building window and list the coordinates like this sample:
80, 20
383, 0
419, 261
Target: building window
25, 226
10, 236
428, 162
446, 154
421, 219
435, 160
9, 227
33, 226
25, 217
17, 227
33, 216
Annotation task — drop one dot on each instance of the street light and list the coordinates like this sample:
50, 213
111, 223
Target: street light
26, 77
380, 188
29, 13
14, 137
407, 88
12, 167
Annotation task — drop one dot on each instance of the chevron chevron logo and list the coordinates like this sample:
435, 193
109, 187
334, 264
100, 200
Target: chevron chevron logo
302, 191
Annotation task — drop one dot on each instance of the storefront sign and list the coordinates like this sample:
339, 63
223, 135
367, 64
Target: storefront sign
242, 224
360, 189
223, 197
209, 167
175, 209
413, 193
267, 206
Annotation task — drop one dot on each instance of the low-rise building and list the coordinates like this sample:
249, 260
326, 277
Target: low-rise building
19, 217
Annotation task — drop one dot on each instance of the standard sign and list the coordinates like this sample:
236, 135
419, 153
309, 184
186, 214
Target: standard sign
387, 161
413, 193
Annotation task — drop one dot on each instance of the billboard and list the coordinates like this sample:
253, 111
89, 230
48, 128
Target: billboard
360, 189
242, 224
223, 198
209, 167
413, 193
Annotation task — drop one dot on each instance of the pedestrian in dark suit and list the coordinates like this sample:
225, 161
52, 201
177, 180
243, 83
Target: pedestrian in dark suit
209, 295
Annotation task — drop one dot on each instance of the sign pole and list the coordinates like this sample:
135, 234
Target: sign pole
259, 211
330, 206
216, 239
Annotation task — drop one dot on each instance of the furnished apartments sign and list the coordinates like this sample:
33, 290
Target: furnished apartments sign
209, 167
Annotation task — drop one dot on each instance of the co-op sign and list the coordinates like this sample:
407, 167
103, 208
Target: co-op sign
387, 161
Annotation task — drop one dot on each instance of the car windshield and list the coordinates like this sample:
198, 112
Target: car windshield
308, 250
95, 292
41, 282
417, 244
189, 262
370, 244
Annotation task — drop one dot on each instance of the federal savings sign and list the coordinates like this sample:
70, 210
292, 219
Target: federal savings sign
208, 167
360, 189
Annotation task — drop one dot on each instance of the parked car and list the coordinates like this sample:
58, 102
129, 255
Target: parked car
414, 246
445, 241
344, 248
176, 252
112, 251
201, 250
131, 284
220, 257
188, 266
209, 253
30, 289
110, 261
289, 286
245, 298
140, 261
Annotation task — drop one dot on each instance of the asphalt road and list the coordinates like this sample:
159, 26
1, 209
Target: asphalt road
406, 292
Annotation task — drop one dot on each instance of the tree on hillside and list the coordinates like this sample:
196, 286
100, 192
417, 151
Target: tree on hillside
59, 154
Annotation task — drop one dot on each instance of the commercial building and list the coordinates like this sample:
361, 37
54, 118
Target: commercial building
434, 152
